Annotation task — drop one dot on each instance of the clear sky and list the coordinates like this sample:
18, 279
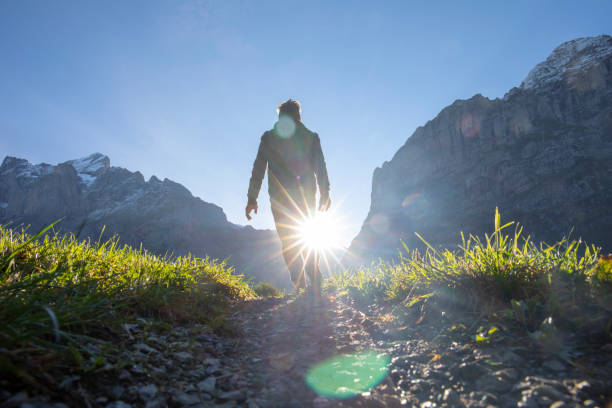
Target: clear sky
184, 89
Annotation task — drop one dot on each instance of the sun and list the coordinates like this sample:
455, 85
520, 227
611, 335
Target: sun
322, 231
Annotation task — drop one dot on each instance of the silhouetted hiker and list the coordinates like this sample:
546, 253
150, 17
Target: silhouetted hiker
296, 165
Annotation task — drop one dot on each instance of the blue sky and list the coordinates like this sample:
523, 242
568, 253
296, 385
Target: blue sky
184, 89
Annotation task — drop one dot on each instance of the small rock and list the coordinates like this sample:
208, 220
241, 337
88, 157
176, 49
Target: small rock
589, 403
156, 340
511, 357
469, 371
184, 399
553, 365
236, 395
147, 392
157, 403
183, 356
419, 387
116, 391
558, 404
544, 401
144, 348
67, 381
159, 371
397, 374
493, 384
451, 397
508, 400
404, 383
16, 399
550, 392
138, 369
484, 397
508, 374
252, 404
391, 401
211, 362
118, 404
30, 404
607, 348
199, 372
582, 387
208, 385
401, 362
528, 402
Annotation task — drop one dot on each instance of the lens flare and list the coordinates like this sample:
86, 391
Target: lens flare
285, 127
345, 376
321, 231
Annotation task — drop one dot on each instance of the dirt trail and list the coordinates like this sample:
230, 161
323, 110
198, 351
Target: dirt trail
276, 342
284, 338
430, 365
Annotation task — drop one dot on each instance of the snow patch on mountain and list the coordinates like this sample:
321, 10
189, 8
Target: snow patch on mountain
87, 179
94, 164
88, 168
568, 59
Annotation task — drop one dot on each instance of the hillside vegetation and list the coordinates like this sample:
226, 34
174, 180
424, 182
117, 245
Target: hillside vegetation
507, 278
64, 302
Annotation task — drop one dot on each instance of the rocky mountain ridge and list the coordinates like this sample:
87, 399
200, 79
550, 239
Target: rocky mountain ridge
540, 154
96, 200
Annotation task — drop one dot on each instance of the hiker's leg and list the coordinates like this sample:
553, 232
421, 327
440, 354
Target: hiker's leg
291, 249
294, 262
311, 256
312, 270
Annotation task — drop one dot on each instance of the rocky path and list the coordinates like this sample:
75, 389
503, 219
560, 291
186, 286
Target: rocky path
266, 361
428, 366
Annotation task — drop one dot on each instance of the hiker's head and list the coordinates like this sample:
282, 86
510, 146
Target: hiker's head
290, 108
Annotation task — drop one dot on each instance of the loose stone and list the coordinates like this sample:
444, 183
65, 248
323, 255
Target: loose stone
184, 399
147, 392
208, 385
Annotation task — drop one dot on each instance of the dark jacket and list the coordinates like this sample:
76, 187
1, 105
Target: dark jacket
295, 165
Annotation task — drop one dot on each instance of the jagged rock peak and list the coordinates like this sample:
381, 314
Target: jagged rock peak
572, 57
94, 164
23, 168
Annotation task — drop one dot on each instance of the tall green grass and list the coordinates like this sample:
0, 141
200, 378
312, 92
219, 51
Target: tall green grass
568, 280
57, 292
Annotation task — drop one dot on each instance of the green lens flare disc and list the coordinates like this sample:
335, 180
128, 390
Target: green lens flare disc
347, 375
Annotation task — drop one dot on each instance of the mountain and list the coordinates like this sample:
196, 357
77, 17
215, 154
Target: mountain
98, 200
542, 154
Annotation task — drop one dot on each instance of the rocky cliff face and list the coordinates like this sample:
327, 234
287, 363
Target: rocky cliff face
162, 215
542, 154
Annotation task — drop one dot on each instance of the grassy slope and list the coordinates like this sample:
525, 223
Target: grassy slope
58, 296
538, 287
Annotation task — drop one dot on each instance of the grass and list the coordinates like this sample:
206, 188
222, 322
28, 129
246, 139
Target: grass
57, 294
501, 275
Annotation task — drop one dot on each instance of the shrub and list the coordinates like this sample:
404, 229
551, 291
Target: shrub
266, 290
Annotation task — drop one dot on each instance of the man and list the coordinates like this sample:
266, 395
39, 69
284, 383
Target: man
295, 163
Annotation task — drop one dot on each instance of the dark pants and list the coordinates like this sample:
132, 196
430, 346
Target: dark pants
289, 210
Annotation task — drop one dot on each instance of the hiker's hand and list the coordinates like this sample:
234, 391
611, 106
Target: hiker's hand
249, 208
324, 203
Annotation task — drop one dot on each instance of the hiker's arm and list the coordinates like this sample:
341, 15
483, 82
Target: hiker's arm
321, 172
259, 169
